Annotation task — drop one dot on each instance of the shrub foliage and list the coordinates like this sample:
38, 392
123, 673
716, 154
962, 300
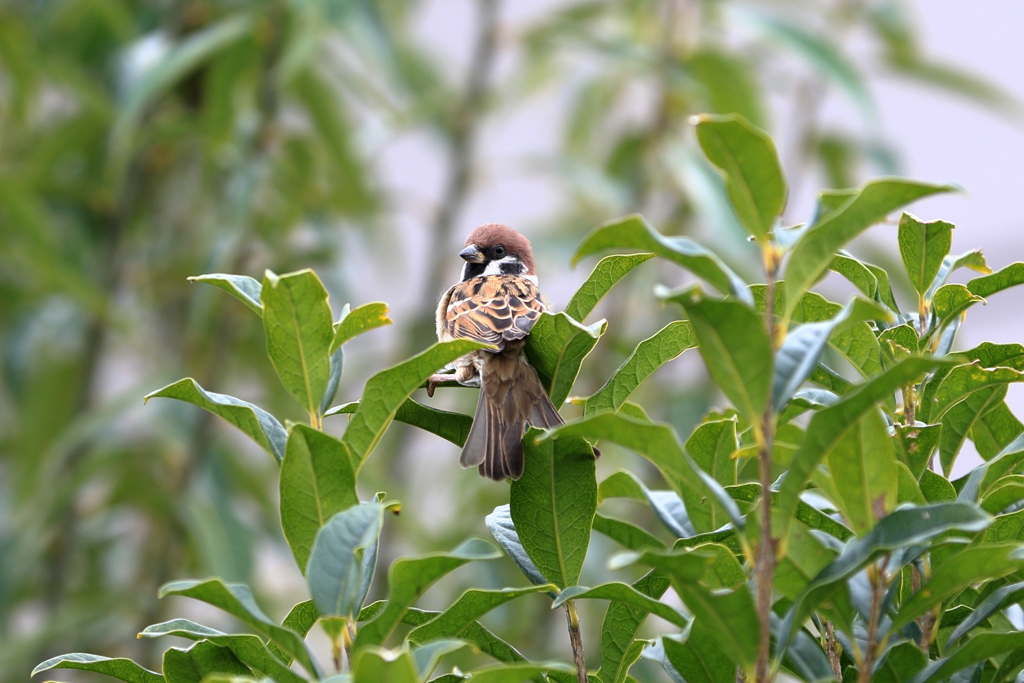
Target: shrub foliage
818, 531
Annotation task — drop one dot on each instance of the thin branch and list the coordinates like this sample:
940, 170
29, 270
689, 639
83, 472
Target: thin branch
576, 641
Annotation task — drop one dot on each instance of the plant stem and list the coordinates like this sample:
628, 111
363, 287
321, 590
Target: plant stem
877, 575
576, 641
764, 566
832, 649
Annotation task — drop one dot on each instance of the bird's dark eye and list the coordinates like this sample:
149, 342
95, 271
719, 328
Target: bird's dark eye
499, 251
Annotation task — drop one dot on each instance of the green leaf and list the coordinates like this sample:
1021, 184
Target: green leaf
904, 527
119, 668
470, 606
410, 577
996, 601
979, 648
621, 624
625, 533
633, 232
1006, 492
256, 423
659, 444
338, 562
205, 661
923, 246
606, 274
729, 615
972, 565
317, 481
748, 161
428, 655
556, 348
386, 391
300, 618
962, 381
983, 478
730, 81
959, 421
816, 248
857, 272
237, 600
916, 445
735, 347
518, 673
359, 320
499, 523
830, 426
804, 346
624, 593
1010, 276
996, 429
297, 322
250, 650
244, 288
621, 484
713, 445
950, 301
450, 426
553, 506
863, 468
695, 656
375, 664
333, 380
667, 343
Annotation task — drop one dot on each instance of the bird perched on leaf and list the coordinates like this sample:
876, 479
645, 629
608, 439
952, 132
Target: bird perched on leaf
497, 301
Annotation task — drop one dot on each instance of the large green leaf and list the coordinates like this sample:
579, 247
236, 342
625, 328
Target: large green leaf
249, 650
242, 287
237, 600
972, 565
659, 444
626, 594
984, 477
862, 465
633, 232
115, 667
205, 661
622, 622
499, 523
361, 319
695, 656
923, 246
470, 606
748, 161
997, 600
297, 322
556, 348
817, 246
736, 349
606, 274
317, 481
729, 615
553, 505
830, 426
962, 381
518, 673
343, 559
1010, 276
450, 426
979, 648
905, 527
959, 421
256, 423
386, 391
409, 577
374, 664
804, 346
713, 446
625, 533
649, 355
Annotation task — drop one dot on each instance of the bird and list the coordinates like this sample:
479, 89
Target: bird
497, 301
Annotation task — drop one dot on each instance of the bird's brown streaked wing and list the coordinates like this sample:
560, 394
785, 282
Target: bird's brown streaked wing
493, 309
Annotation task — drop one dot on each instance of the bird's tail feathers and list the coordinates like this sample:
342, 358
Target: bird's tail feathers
508, 403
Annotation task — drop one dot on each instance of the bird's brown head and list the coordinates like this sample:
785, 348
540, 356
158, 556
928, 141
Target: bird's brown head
496, 249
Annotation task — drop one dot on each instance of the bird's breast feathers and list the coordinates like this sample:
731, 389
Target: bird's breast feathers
492, 309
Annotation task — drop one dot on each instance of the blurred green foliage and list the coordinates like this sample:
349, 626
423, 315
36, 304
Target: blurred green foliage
142, 143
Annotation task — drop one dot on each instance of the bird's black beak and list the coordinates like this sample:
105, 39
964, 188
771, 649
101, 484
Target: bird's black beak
472, 254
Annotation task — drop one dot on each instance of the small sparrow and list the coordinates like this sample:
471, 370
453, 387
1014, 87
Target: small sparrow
497, 302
